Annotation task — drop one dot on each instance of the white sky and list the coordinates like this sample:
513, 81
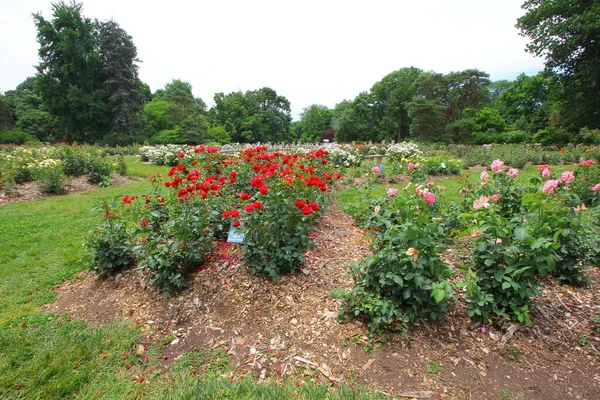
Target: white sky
312, 52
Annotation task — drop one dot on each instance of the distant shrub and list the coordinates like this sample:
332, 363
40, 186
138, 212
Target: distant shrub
16, 137
552, 135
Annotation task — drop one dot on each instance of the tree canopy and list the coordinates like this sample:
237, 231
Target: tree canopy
87, 76
567, 34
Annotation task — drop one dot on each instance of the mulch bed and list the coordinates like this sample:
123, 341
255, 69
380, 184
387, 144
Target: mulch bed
290, 329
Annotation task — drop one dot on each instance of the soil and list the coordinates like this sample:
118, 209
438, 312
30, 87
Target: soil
290, 329
30, 191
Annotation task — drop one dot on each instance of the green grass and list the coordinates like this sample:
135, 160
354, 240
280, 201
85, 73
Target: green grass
44, 356
136, 168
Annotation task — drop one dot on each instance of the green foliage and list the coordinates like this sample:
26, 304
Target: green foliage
109, 245
314, 120
489, 119
87, 77
254, 116
15, 137
405, 279
552, 136
588, 176
6, 119
217, 134
121, 167
506, 258
566, 33
504, 137
50, 180
74, 160
175, 240
441, 166
97, 169
433, 367
390, 98
118, 55
38, 123
441, 101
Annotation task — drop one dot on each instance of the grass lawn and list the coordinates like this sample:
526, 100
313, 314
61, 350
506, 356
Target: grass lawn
44, 356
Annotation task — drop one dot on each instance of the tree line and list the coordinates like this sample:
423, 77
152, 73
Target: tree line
87, 89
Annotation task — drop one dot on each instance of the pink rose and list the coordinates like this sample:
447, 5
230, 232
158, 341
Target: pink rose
392, 192
411, 166
550, 185
543, 167
546, 173
596, 187
495, 197
376, 170
580, 208
429, 198
567, 177
513, 172
482, 202
497, 166
586, 163
484, 177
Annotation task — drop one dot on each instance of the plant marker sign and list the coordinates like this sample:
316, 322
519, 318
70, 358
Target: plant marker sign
234, 235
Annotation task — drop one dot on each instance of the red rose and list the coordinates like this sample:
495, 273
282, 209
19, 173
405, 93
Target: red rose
226, 214
323, 161
263, 190
144, 222
257, 205
249, 208
235, 213
244, 196
314, 206
127, 199
181, 154
236, 223
306, 210
300, 203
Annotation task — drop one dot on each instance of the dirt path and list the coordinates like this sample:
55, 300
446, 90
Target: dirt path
290, 329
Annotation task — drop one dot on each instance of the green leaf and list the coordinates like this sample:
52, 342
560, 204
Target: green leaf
521, 234
438, 294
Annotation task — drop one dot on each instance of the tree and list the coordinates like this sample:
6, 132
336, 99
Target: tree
70, 72
441, 102
87, 76
180, 93
567, 34
391, 96
527, 102
120, 78
6, 120
255, 116
314, 119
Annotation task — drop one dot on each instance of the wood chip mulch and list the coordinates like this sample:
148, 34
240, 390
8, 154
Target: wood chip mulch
290, 329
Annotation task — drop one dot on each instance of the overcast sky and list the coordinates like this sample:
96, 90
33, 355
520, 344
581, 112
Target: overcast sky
312, 52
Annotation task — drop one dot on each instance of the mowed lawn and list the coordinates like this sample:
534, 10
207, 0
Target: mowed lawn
45, 356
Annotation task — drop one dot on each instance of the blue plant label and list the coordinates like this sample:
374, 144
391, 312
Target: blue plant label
235, 236
381, 167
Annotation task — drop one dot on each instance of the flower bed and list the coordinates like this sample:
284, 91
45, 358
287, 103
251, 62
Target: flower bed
52, 167
273, 199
